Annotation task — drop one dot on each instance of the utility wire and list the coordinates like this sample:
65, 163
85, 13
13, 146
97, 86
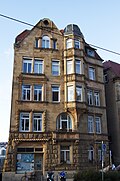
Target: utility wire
23, 22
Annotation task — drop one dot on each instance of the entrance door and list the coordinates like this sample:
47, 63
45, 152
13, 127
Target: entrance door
38, 162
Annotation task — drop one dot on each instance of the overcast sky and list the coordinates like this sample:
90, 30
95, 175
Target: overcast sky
97, 19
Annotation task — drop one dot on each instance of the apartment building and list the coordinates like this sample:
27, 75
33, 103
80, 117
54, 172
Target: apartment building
112, 89
3, 146
58, 112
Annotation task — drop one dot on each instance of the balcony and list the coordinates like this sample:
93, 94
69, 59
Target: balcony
30, 136
65, 136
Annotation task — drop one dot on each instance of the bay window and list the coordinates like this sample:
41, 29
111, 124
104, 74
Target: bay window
70, 93
69, 66
77, 66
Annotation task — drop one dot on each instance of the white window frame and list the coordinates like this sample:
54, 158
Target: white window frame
24, 117
27, 62
98, 124
90, 97
91, 153
90, 124
26, 90
37, 117
65, 151
70, 93
56, 66
69, 66
39, 91
67, 120
77, 44
56, 89
96, 98
77, 66
79, 91
91, 73
38, 66
69, 43
45, 41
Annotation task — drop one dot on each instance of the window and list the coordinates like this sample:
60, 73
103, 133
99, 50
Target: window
91, 73
96, 99
37, 122
54, 44
69, 66
90, 52
77, 66
27, 65
90, 124
70, 93
100, 155
79, 93
64, 122
37, 43
77, 44
26, 92
91, 153
25, 162
105, 78
38, 92
90, 97
45, 42
65, 154
55, 68
55, 93
24, 121
98, 125
69, 43
38, 66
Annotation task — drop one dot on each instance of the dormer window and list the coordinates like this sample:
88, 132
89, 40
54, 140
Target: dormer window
69, 43
90, 52
45, 42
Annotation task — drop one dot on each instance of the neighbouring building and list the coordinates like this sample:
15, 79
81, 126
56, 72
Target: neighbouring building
58, 112
3, 146
112, 89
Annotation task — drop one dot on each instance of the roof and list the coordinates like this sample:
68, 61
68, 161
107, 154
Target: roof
87, 46
115, 67
73, 29
21, 36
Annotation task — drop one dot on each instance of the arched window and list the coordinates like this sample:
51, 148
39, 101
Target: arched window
45, 42
64, 122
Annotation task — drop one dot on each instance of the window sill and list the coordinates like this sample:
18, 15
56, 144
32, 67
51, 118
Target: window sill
48, 49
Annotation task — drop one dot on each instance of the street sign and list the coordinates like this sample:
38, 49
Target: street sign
103, 147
